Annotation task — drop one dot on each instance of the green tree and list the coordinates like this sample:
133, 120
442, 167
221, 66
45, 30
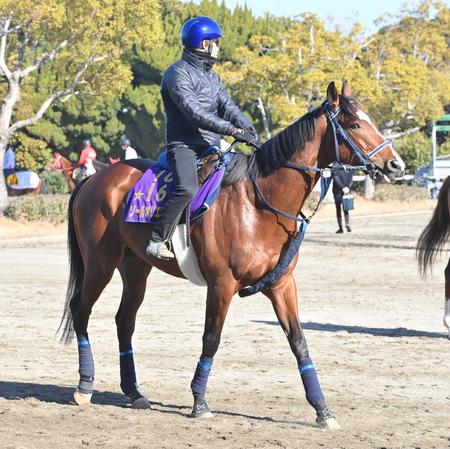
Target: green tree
54, 49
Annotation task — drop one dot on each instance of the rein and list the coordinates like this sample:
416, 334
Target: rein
286, 258
338, 132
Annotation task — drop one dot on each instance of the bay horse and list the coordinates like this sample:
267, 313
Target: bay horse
431, 242
66, 167
236, 242
13, 191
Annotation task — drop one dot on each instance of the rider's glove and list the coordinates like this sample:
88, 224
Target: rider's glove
243, 135
253, 132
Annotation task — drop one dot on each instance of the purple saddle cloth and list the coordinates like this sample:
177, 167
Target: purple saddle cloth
147, 198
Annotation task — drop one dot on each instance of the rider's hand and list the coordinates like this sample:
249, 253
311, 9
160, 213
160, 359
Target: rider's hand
253, 132
243, 135
345, 190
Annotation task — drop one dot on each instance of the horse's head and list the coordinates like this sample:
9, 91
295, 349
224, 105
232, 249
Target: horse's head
60, 163
56, 163
359, 140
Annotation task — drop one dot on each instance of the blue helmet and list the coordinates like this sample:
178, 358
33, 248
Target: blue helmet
197, 29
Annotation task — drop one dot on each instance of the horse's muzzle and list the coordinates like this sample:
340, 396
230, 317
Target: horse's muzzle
394, 169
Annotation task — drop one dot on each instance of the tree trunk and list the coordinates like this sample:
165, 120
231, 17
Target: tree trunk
4, 200
369, 187
265, 120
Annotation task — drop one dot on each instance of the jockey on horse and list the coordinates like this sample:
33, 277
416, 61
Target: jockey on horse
198, 111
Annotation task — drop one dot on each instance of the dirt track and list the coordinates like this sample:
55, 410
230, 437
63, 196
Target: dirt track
374, 329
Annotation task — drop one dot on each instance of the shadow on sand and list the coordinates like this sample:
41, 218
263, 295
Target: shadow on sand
64, 395
376, 331
55, 394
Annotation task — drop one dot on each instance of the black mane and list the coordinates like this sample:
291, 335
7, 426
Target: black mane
279, 149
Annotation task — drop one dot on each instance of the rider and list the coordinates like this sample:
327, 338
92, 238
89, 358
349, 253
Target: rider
87, 156
130, 152
198, 111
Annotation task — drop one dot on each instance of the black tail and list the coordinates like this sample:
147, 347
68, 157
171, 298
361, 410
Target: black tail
76, 272
436, 232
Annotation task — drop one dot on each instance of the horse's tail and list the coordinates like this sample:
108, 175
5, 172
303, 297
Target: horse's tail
436, 232
76, 272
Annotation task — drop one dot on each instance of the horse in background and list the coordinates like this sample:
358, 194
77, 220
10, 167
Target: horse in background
23, 182
237, 242
71, 172
431, 242
64, 166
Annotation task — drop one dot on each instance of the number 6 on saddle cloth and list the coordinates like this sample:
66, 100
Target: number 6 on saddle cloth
147, 198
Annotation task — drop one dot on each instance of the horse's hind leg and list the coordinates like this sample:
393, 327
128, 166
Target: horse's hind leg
134, 274
96, 277
284, 300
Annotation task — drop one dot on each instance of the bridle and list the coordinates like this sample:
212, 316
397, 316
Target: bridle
302, 221
61, 169
339, 133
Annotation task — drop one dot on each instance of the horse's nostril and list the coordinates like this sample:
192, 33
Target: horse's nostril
394, 165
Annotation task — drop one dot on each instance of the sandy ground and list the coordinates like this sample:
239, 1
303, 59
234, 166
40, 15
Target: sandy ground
374, 329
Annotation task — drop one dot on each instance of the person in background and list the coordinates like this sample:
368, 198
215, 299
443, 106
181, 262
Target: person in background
87, 156
130, 152
9, 162
342, 182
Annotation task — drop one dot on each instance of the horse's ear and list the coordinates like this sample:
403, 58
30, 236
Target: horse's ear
346, 89
333, 95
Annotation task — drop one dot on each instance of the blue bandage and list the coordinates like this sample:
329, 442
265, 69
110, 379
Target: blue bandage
200, 380
310, 381
127, 371
85, 360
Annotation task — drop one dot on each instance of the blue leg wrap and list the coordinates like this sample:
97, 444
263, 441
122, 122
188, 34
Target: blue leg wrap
310, 381
86, 364
200, 380
128, 380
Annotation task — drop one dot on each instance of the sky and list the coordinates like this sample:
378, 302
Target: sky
345, 12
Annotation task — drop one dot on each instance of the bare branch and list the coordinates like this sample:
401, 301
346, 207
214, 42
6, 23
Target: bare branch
32, 120
12, 30
46, 57
3, 67
392, 136
64, 94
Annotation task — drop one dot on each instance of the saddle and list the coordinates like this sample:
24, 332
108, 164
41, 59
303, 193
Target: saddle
206, 162
146, 199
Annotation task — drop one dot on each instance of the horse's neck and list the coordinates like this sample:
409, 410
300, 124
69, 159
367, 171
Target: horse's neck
287, 189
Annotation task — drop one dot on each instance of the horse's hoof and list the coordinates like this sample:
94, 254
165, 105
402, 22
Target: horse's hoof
328, 424
203, 415
141, 404
201, 410
82, 398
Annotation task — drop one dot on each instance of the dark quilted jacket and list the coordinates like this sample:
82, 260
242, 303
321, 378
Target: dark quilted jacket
198, 109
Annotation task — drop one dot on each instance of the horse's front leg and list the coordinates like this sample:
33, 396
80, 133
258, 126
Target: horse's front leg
218, 301
284, 300
447, 299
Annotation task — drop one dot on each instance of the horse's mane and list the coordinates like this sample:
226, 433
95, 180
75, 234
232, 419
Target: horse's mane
279, 149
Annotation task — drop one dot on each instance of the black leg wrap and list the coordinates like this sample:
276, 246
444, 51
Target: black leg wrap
86, 386
133, 395
200, 409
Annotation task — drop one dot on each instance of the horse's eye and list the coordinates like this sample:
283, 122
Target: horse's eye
354, 126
